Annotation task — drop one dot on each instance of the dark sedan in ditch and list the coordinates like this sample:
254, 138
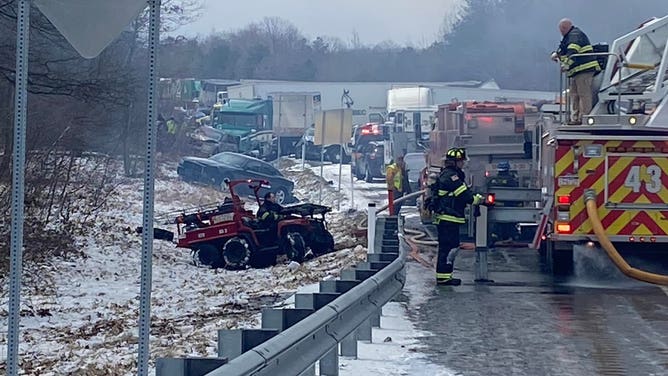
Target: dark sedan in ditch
234, 166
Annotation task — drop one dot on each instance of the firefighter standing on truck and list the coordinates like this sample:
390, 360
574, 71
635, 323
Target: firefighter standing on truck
396, 180
580, 69
449, 197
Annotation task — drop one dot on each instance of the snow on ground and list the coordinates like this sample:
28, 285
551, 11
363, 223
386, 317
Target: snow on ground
394, 350
79, 316
362, 192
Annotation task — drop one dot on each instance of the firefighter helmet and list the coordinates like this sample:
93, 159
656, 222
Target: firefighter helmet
455, 154
503, 166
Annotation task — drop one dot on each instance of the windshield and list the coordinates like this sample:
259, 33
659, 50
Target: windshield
414, 163
250, 121
229, 159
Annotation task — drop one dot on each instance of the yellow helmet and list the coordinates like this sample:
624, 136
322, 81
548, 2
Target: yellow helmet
456, 154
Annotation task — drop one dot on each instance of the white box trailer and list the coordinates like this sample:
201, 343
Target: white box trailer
293, 114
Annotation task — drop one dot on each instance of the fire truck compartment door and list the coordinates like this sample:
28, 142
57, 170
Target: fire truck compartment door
636, 181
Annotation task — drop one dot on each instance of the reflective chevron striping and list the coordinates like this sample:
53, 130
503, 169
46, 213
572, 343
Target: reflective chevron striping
592, 175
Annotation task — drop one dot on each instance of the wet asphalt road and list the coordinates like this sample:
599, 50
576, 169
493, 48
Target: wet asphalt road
597, 322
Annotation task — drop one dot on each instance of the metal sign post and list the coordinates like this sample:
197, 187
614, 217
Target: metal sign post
304, 138
338, 203
322, 153
149, 185
18, 180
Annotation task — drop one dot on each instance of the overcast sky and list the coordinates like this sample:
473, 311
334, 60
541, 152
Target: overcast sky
374, 20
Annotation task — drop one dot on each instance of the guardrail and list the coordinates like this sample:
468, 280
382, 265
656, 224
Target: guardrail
292, 340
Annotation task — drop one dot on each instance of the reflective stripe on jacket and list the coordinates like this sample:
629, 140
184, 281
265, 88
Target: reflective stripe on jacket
577, 42
394, 177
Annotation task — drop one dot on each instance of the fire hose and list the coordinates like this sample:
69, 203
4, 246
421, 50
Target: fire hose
613, 254
415, 234
415, 237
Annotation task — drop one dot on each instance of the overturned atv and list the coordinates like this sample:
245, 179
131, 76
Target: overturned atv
230, 236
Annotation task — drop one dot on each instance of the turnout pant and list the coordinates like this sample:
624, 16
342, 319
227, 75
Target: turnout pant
581, 95
397, 205
448, 240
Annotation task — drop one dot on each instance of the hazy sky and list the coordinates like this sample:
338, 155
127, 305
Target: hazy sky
374, 20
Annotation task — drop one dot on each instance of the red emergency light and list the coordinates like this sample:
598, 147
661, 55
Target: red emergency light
485, 119
490, 199
564, 228
370, 131
564, 200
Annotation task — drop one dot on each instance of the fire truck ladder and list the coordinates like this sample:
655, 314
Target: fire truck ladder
635, 80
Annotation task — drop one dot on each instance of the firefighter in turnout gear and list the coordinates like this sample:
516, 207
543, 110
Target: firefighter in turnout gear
581, 69
503, 178
396, 177
449, 197
268, 213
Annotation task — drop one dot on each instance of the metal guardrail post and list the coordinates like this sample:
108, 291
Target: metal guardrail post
481, 274
329, 364
375, 318
364, 331
186, 366
349, 345
309, 371
331, 321
371, 228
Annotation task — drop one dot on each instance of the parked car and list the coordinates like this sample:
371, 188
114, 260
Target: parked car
234, 166
332, 152
415, 163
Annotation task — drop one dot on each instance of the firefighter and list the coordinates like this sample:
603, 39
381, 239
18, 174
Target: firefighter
503, 178
580, 69
449, 197
268, 213
395, 175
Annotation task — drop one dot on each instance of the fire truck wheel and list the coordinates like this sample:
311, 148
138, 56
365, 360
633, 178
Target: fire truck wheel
209, 255
236, 253
295, 248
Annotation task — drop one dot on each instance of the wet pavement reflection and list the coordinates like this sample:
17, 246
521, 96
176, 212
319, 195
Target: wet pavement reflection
528, 322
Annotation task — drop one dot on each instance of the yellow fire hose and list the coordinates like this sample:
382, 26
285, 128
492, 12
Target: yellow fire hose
624, 267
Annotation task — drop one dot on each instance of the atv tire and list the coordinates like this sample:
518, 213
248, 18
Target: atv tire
236, 253
209, 255
295, 247
322, 243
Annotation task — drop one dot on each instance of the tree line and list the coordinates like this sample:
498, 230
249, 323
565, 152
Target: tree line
80, 106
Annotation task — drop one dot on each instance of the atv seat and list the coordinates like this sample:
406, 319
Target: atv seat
253, 223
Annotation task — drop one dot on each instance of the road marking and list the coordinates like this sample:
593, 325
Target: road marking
664, 289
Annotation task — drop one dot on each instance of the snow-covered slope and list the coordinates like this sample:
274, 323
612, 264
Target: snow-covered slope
79, 316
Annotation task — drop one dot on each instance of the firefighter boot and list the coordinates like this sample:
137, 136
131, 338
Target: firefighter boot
449, 282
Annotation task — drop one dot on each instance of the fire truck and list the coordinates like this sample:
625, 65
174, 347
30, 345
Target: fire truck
491, 132
606, 181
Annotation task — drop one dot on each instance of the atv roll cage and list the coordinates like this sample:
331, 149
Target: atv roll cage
231, 208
